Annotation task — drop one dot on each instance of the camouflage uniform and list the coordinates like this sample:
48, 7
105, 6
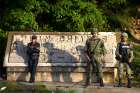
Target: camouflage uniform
124, 53
95, 50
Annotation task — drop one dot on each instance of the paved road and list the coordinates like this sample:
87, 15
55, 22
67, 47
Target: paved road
90, 89
112, 90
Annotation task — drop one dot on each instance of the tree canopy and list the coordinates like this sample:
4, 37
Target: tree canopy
66, 15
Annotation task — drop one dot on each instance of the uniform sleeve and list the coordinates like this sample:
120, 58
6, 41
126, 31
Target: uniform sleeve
117, 50
131, 52
38, 47
104, 51
28, 49
87, 46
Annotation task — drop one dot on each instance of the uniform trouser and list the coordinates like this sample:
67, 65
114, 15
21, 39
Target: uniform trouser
32, 64
94, 66
124, 67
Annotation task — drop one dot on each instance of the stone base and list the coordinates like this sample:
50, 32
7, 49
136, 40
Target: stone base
47, 76
56, 74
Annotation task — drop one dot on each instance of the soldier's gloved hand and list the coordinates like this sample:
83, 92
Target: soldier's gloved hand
130, 61
88, 59
103, 58
120, 56
31, 47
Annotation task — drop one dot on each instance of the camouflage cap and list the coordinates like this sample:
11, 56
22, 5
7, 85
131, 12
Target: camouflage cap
124, 34
93, 29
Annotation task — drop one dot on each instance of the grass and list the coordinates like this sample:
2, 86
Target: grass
41, 89
13, 87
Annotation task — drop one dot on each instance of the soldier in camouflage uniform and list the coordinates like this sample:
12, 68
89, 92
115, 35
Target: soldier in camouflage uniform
95, 51
33, 56
124, 55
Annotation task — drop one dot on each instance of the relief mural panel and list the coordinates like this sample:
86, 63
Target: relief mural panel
62, 49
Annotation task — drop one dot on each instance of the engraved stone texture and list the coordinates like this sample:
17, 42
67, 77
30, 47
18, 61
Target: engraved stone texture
68, 48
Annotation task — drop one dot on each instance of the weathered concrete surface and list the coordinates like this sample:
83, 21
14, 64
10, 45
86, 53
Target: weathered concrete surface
61, 58
112, 90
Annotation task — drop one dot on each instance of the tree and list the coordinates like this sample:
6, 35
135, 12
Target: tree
66, 15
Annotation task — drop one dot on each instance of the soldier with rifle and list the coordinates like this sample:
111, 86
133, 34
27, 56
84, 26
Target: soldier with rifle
95, 51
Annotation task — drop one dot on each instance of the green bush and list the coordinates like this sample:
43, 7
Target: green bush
136, 65
3, 42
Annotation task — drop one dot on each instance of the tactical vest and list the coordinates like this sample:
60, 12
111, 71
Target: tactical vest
95, 47
124, 51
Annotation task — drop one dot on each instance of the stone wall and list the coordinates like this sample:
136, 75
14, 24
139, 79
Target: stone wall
61, 58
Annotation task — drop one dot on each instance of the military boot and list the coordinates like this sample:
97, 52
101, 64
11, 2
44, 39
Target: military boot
129, 83
120, 83
101, 82
87, 82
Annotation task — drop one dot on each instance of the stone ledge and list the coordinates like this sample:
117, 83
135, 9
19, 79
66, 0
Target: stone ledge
46, 64
57, 69
48, 69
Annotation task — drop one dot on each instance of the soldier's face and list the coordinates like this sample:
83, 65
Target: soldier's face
34, 40
124, 39
94, 34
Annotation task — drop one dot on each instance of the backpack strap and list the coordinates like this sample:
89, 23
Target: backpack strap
97, 44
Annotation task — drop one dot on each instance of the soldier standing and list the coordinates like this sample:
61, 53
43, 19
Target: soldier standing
95, 51
33, 56
124, 55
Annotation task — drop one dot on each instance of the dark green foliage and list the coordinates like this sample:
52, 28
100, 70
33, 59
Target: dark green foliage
135, 64
66, 15
3, 42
